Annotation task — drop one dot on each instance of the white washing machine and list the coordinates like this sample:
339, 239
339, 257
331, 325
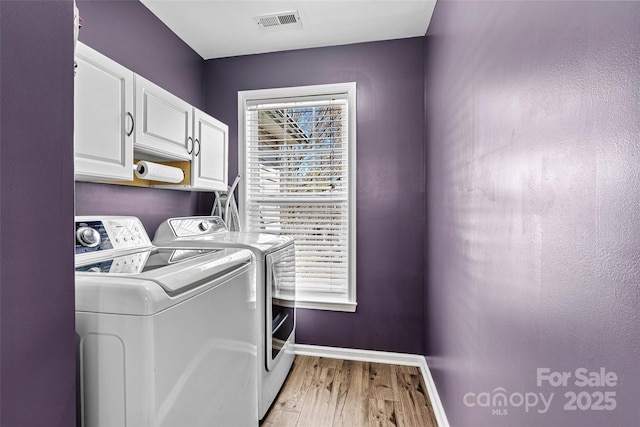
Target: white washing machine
275, 290
167, 336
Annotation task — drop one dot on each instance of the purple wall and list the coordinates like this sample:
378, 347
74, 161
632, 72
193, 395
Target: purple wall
37, 359
390, 182
533, 131
131, 35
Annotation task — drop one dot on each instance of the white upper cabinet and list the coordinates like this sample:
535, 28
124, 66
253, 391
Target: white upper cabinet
103, 134
164, 122
210, 155
119, 113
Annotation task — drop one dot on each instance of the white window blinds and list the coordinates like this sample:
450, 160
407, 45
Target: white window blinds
297, 182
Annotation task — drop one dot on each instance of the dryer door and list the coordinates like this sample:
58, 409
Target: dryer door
280, 302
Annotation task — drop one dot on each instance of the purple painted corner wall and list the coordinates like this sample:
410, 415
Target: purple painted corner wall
390, 179
131, 35
37, 341
533, 178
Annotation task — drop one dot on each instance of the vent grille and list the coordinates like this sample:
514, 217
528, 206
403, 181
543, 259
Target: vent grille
282, 19
287, 19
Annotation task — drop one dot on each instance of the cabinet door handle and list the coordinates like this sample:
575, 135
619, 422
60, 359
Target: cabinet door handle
133, 123
198, 142
189, 145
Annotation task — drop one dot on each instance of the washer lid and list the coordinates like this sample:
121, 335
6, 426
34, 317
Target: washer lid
192, 274
139, 261
101, 286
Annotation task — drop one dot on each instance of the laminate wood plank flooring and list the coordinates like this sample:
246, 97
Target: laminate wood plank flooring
323, 392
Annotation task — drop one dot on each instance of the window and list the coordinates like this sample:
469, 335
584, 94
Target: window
296, 152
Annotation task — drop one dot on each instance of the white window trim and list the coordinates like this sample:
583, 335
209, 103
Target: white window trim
301, 91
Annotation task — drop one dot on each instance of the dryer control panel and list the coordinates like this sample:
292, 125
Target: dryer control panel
94, 234
194, 226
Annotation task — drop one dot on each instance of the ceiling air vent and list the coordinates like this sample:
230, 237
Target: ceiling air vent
279, 20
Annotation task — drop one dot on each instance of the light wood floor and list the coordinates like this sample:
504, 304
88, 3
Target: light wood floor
321, 392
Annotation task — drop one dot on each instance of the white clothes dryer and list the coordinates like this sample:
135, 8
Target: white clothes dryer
166, 336
275, 290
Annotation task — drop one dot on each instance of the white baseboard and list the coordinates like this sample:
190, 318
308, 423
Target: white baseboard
382, 357
438, 409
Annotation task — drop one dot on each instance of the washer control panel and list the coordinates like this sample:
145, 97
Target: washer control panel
95, 234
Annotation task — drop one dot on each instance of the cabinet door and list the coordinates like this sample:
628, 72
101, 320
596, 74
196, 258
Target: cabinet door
164, 122
103, 107
210, 156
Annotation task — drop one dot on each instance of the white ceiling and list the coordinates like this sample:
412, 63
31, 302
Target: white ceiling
222, 28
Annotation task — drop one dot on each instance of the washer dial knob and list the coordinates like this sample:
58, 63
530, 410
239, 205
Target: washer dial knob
88, 237
204, 226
